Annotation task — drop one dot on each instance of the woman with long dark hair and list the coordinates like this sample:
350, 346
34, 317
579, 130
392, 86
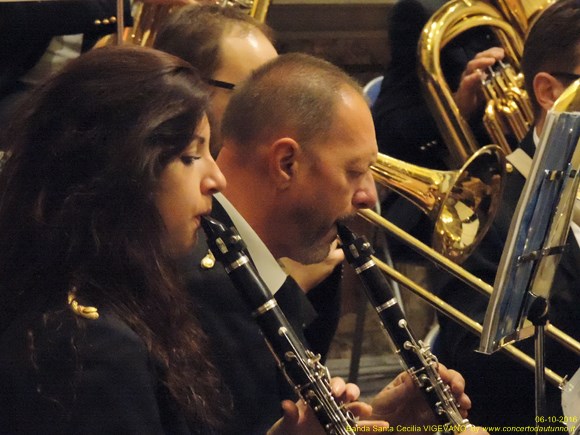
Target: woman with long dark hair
109, 174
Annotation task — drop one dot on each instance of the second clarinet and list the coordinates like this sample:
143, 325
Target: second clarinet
417, 358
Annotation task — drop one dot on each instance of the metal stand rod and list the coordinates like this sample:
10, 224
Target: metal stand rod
120, 21
538, 315
540, 379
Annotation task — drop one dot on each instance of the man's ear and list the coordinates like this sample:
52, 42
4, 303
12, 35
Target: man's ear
283, 161
547, 89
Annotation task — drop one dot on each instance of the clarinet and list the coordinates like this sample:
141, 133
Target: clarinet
301, 367
415, 356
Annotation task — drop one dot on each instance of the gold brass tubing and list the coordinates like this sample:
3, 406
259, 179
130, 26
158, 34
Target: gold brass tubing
458, 271
514, 48
120, 21
521, 13
464, 320
260, 10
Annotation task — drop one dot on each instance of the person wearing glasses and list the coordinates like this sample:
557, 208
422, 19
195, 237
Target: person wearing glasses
550, 63
224, 44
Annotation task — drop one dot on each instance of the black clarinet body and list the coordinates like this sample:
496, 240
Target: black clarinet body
301, 367
415, 356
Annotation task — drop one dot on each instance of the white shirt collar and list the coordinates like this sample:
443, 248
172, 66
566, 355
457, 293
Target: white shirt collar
267, 266
536, 137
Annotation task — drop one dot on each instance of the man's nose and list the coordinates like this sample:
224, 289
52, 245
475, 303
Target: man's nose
366, 196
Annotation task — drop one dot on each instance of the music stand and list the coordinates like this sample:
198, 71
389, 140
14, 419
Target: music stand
536, 238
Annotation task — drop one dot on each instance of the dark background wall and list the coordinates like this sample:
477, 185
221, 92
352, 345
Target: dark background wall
351, 34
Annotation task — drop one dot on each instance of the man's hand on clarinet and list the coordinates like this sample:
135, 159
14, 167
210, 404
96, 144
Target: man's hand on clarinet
402, 403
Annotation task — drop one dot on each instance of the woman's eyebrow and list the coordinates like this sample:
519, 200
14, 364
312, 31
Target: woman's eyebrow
198, 139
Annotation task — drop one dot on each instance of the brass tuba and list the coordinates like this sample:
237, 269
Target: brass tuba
508, 110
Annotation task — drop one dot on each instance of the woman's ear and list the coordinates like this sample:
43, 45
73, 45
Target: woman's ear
283, 161
547, 89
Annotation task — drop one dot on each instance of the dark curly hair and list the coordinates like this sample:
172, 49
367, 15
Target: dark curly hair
77, 206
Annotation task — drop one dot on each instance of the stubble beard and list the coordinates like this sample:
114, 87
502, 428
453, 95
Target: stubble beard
314, 253
318, 249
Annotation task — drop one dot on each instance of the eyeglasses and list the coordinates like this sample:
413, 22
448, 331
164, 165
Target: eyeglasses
220, 84
565, 75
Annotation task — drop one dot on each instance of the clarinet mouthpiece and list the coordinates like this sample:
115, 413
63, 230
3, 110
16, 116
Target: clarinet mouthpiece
225, 243
345, 234
357, 250
213, 228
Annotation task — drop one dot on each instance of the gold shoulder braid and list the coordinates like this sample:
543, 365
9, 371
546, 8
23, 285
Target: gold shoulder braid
81, 310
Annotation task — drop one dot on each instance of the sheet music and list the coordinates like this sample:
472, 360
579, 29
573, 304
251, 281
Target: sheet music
536, 238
